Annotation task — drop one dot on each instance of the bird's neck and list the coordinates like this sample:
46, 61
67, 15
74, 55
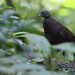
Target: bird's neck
49, 22
48, 17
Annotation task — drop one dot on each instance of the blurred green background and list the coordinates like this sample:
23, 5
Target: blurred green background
28, 10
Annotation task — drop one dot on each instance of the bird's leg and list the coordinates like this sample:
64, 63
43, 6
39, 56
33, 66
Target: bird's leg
74, 57
56, 50
63, 53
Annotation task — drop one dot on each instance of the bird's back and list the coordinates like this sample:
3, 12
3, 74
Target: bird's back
57, 33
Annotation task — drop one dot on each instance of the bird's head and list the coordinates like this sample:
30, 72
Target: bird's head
45, 14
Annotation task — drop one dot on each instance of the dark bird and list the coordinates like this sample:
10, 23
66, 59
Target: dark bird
54, 31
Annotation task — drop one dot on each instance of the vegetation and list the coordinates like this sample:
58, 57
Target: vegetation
23, 48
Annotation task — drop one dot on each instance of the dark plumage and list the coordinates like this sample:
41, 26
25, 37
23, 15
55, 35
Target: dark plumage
54, 31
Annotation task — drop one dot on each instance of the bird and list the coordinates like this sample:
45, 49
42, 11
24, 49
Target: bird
54, 31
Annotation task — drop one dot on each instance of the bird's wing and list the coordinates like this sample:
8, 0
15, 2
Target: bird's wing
66, 33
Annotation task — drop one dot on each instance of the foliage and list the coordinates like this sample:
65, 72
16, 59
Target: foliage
23, 48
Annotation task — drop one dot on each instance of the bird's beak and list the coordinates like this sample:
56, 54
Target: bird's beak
39, 15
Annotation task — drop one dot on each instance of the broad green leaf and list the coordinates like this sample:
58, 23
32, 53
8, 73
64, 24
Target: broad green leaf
7, 13
28, 66
44, 73
66, 46
12, 60
38, 41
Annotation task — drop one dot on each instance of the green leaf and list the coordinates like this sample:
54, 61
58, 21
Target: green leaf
20, 33
66, 46
7, 13
14, 17
39, 42
12, 60
39, 59
2, 52
7, 7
